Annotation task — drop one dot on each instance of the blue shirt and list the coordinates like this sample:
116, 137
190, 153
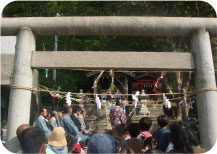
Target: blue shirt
40, 123
71, 129
162, 135
69, 126
58, 121
58, 150
48, 151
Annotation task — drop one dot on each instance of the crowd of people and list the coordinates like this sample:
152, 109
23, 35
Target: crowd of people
66, 133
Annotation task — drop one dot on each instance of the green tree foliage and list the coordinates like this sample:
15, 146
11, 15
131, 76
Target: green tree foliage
73, 81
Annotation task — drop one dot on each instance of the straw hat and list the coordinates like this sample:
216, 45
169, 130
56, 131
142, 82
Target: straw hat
57, 137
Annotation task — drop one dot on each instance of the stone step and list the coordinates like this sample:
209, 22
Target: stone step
102, 121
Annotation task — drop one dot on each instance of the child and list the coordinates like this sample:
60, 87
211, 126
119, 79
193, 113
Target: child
84, 146
184, 139
120, 135
144, 125
162, 135
150, 144
132, 145
70, 144
73, 147
122, 131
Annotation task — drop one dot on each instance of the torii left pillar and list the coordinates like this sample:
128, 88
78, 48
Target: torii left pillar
20, 99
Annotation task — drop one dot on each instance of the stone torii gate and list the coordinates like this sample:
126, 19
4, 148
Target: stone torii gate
27, 59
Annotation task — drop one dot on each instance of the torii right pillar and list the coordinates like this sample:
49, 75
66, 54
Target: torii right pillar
205, 78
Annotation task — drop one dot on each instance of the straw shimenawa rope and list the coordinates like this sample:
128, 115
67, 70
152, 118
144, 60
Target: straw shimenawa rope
185, 96
61, 92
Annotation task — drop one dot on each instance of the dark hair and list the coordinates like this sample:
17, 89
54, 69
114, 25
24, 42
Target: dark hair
145, 123
121, 129
32, 139
194, 124
118, 102
83, 145
133, 129
42, 109
67, 109
52, 115
162, 120
76, 109
70, 143
155, 151
150, 141
182, 137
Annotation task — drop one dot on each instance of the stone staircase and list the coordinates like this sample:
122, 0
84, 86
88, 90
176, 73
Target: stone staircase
101, 120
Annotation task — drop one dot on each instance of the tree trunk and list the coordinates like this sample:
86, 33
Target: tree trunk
180, 83
185, 84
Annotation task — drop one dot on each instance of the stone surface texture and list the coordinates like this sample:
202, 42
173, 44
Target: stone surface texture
205, 78
109, 25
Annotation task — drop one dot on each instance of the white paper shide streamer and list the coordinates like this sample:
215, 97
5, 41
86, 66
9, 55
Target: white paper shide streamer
135, 98
98, 103
167, 102
68, 99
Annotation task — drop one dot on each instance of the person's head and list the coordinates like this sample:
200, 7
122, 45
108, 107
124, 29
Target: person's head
43, 112
33, 140
133, 130
145, 124
5, 125
20, 129
83, 113
101, 143
77, 110
150, 143
84, 146
118, 102
60, 115
121, 130
48, 117
194, 124
162, 121
54, 114
68, 110
57, 137
182, 137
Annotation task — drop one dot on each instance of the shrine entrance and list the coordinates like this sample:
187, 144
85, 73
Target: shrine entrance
27, 59
147, 85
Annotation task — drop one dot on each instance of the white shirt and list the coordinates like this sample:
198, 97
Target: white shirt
75, 115
52, 121
42, 116
4, 131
